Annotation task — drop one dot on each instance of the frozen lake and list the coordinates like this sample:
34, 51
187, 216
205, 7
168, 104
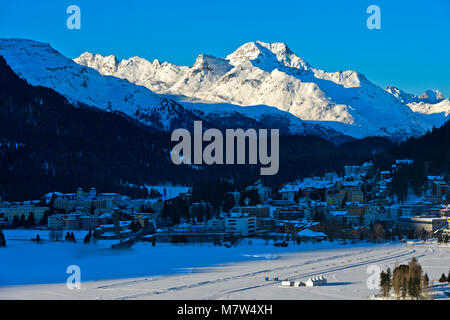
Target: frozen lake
26, 262
38, 271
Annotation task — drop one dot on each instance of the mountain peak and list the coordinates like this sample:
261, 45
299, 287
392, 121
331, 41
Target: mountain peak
401, 95
267, 56
432, 96
205, 63
107, 64
260, 75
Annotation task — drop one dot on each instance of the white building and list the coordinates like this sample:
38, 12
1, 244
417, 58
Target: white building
245, 226
316, 281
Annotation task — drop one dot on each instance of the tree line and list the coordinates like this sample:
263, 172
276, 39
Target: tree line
407, 280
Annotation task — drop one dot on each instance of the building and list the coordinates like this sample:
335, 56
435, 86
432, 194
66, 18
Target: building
429, 224
377, 212
337, 215
290, 214
286, 204
289, 192
413, 209
442, 210
26, 209
308, 235
90, 222
215, 224
447, 229
353, 191
316, 281
56, 221
335, 198
88, 200
245, 226
72, 223
352, 171
255, 211
265, 224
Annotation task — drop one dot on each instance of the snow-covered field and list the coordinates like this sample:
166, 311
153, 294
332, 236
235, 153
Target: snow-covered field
38, 271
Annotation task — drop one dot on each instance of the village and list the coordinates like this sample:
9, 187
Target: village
349, 208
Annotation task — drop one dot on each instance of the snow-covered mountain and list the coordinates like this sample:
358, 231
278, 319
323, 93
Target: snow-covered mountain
41, 65
260, 74
258, 85
430, 106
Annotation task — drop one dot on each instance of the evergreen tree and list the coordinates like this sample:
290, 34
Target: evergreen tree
414, 279
443, 278
423, 235
2, 239
384, 283
30, 220
22, 221
44, 220
426, 281
16, 221
378, 232
404, 287
87, 238
389, 278
409, 280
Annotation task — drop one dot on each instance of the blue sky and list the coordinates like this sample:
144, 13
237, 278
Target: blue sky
411, 50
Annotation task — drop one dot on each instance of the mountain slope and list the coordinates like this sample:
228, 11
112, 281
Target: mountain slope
272, 75
48, 144
40, 64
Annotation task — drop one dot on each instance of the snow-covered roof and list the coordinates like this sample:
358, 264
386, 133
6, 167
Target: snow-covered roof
338, 213
311, 234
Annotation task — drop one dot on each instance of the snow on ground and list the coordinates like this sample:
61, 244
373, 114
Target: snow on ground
202, 272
